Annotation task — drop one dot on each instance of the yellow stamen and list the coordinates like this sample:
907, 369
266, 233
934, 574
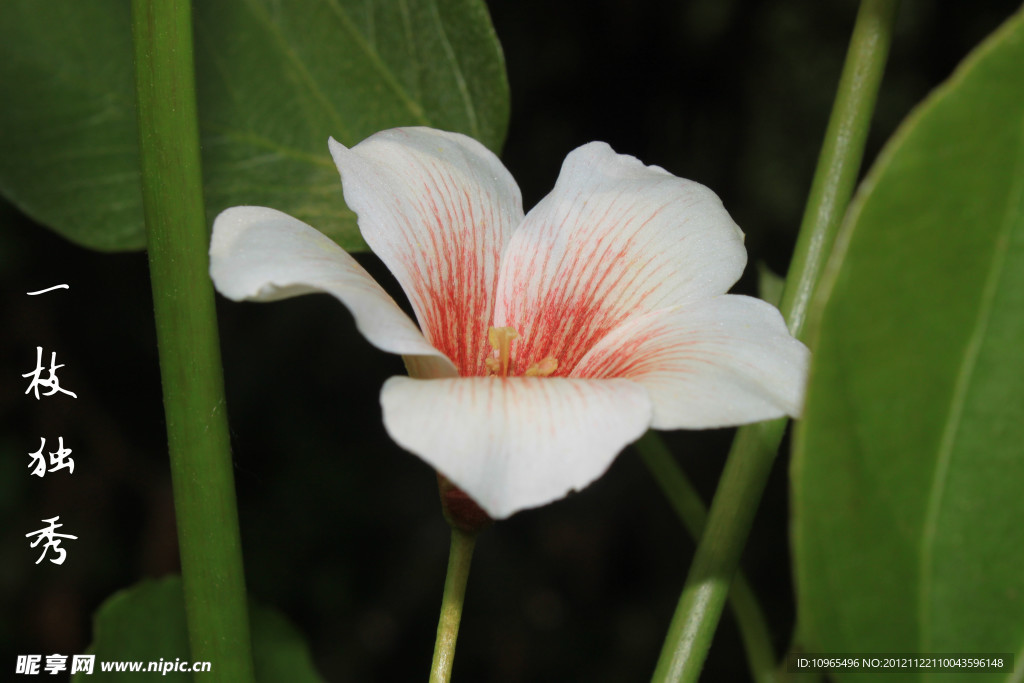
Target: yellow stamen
542, 368
501, 339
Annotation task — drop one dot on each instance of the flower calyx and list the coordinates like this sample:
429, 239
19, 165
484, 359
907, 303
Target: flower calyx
460, 511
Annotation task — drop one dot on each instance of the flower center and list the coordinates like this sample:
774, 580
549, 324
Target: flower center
500, 339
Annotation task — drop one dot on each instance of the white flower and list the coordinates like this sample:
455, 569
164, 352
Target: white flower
546, 342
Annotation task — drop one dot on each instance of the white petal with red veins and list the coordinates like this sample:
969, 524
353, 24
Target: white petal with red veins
719, 362
438, 209
519, 442
261, 254
614, 239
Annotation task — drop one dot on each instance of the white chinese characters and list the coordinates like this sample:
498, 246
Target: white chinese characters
52, 538
39, 466
29, 665
59, 459
50, 382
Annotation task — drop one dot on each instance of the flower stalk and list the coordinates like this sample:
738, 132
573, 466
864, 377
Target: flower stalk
198, 443
753, 452
459, 559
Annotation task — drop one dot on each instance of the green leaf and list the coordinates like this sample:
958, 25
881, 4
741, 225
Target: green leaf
908, 527
275, 80
146, 623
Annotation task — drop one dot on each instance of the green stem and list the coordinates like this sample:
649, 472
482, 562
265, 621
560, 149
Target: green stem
753, 452
718, 552
687, 503
186, 325
459, 558
841, 154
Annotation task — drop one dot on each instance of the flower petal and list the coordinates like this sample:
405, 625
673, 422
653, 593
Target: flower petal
261, 254
614, 238
438, 209
519, 442
719, 362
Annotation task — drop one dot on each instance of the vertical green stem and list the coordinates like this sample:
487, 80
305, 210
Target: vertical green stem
459, 558
686, 501
718, 552
197, 434
841, 154
753, 452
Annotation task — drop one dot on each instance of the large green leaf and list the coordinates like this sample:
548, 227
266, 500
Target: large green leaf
275, 79
908, 469
146, 623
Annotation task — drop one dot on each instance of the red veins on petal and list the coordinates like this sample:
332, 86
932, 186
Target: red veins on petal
638, 354
454, 290
596, 286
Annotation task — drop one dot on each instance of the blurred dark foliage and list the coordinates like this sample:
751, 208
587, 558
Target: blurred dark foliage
341, 528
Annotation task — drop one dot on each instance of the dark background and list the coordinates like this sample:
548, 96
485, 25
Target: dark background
341, 529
